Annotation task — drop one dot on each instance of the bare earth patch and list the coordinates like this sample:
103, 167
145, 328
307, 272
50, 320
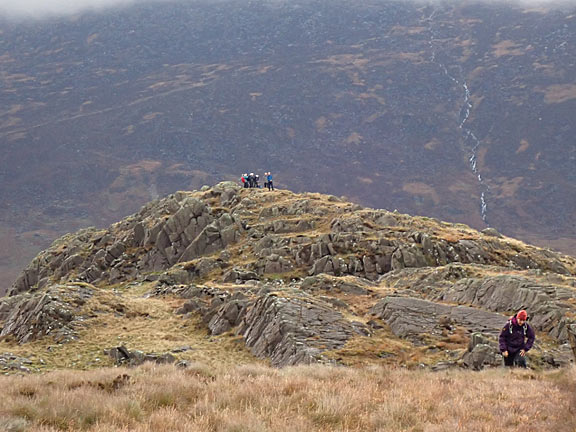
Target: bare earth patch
559, 93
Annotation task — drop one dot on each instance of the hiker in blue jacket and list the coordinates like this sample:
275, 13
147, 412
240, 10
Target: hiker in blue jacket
516, 339
269, 182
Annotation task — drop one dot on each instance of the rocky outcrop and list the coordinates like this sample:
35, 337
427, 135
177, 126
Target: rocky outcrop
273, 264
547, 304
220, 310
212, 238
51, 312
228, 316
276, 239
279, 269
177, 229
412, 317
292, 331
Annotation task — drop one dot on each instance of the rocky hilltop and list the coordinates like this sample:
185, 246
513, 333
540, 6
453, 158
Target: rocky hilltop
235, 275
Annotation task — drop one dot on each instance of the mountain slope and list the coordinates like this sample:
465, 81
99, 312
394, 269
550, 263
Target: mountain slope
232, 274
461, 112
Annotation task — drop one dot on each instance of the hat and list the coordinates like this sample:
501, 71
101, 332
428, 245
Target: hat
523, 315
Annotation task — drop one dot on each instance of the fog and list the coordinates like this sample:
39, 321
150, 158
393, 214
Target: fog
52, 8
43, 8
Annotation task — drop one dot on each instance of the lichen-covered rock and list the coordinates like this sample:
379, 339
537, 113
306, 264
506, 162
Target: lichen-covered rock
292, 331
51, 312
482, 351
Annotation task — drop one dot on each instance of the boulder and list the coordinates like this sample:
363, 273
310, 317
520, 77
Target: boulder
122, 356
237, 275
482, 351
480, 356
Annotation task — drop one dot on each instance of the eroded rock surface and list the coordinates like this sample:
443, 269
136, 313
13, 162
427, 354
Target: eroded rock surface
49, 312
408, 316
291, 331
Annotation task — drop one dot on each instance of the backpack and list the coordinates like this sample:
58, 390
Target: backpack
524, 327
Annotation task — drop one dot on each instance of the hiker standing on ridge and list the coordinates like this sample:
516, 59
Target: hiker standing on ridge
269, 182
516, 338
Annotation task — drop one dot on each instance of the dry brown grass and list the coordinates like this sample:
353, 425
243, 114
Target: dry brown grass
123, 317
305, 398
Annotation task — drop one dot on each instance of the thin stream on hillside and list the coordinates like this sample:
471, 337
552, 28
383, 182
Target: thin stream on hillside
470, 140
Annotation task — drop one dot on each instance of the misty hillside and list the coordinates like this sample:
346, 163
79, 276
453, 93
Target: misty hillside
460, 112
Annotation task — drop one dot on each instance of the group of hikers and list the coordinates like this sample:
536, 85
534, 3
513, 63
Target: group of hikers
253, 181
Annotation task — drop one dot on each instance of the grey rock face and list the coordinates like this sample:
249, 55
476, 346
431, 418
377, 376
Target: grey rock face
212, 238
274, 264
546, 303
292, 331
409, 317
45, 313
228, 316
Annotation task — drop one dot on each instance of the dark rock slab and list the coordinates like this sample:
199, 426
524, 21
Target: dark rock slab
292, 331
408, 316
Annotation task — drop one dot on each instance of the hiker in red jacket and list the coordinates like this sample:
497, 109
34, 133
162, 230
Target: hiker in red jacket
516, 338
